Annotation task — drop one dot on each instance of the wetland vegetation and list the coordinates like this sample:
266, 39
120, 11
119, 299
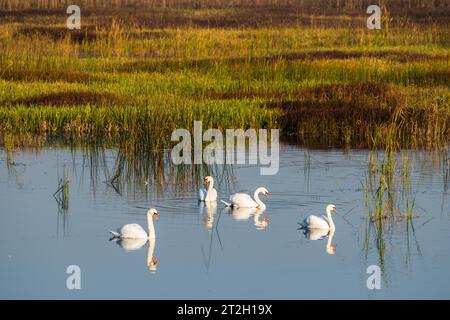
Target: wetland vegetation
106, 98
133, 75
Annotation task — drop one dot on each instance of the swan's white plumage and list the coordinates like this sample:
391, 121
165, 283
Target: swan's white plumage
202, 194
209, 194
243, 200
315, 222
133, 231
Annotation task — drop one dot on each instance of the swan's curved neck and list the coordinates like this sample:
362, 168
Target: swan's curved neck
257, 200
151, 227
211, 185
330, 220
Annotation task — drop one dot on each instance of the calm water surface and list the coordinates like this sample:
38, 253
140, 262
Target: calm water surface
212, 252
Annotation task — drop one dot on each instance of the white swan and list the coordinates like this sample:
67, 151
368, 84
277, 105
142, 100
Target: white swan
135, 231
315, 222
243, 200
209, 194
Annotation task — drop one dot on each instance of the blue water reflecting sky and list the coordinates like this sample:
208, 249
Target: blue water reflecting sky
215, 254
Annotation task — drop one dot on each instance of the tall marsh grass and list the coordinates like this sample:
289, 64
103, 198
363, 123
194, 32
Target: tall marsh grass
322, 86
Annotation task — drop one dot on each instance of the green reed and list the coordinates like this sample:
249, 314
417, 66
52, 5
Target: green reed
61, 194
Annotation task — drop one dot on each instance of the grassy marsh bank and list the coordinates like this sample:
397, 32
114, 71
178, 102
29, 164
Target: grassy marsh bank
125, 81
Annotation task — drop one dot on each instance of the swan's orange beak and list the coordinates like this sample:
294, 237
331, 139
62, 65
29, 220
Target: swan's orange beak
155, 216
266, 194
334, 209
266, 219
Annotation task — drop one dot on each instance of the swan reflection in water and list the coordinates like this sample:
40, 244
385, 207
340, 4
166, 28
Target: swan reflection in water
208, 209
129, 245
320, 234
243, 214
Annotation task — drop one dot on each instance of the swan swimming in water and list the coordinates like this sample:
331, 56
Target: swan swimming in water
243, 200
315, 222
209, 194
135, 231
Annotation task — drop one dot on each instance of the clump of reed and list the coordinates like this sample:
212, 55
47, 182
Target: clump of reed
61, 194
386, 179
390, 200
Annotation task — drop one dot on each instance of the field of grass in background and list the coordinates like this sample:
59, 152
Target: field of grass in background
323, 79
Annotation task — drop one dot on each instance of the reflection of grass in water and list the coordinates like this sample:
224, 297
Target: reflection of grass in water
410, 231
8, 141
134, 169
307, 166
141, 172
446, 173
385, 179
62, 193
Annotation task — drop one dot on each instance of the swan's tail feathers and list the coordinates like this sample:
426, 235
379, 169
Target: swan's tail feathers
302, 225
114, 235
227, 204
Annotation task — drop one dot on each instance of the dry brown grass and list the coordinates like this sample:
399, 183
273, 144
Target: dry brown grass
73, 98
229, 14
363, 114
15, 74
